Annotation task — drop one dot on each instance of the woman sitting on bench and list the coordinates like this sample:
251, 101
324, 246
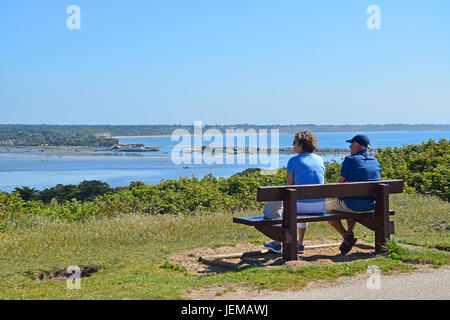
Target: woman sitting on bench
304, 168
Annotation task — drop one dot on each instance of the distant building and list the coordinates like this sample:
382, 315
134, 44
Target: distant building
12, 142
103, 134
132, 147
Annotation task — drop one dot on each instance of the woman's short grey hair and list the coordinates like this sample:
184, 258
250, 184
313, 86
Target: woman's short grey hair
307, 140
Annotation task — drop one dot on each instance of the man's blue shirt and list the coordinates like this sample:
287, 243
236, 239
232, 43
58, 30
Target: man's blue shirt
307, 168
360, 167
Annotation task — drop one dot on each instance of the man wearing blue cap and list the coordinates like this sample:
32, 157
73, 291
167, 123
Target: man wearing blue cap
359, 166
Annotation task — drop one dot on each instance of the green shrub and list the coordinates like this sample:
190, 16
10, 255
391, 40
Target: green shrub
84, 191
332, 172
424, 167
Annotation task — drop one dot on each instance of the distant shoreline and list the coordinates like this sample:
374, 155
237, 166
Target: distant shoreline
152, 136
78, 154
268, 133
44, 132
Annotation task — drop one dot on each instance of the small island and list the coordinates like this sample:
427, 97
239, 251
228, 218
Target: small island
133, 147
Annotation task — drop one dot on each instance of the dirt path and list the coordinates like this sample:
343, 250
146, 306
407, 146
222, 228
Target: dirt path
319, 256
424, 284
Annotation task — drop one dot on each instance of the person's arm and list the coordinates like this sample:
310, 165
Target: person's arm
290, 171
289, 179
345, 168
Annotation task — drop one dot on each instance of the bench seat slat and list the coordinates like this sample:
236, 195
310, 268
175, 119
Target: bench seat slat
325, 216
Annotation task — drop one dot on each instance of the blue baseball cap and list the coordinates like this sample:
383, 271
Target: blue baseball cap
361, 139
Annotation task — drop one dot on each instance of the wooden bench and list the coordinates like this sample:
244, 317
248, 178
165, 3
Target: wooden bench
285, 229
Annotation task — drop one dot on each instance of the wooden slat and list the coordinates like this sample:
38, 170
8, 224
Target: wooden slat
256, 221
261, 221
234, 255
368, 222
391, 227
330, 190
271, 232
219, 263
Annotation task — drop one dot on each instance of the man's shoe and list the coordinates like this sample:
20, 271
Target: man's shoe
272, 246
348, 243
300, 249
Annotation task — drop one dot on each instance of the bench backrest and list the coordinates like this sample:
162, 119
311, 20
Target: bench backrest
329, 190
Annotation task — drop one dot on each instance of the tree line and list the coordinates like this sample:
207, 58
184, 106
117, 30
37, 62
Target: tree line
56, 139
163, 129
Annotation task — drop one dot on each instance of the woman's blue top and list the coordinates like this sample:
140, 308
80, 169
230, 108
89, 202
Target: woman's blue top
307, 168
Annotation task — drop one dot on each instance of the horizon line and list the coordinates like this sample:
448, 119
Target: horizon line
235, 124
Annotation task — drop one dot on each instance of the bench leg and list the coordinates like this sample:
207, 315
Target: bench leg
289, 246
289, 233
383, 228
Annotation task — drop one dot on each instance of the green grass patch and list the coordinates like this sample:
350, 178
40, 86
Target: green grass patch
428, 256
132, 252
173, 267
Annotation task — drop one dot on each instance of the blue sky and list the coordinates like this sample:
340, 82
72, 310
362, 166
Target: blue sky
225, 62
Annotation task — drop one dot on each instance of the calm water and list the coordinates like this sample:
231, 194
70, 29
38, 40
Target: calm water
41, 171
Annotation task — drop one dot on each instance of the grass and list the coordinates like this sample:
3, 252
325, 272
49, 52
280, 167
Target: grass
131, 252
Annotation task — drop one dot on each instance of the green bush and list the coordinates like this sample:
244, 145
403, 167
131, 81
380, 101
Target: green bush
84, 191
332, 172
182, 196
424, 167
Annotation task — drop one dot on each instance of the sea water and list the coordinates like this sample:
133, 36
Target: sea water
18, 168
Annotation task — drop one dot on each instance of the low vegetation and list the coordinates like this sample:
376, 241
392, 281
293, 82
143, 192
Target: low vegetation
84, 191
127, 234
23, 138
423, 174
425, 167
131, 251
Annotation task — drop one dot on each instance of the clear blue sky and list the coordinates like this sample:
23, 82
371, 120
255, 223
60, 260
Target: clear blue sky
225, 62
